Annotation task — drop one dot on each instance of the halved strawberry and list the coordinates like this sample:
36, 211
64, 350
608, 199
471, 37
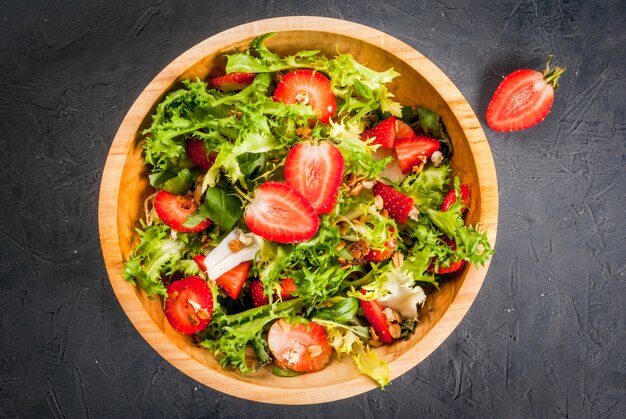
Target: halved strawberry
189, 305
173, 210
450, 198
385, 133
414, 150
281, 214
233, 280
523, 98
376, 318
233, 81
454, 265
299, 347
315, 171
287, 286
307, 87
377, 256
397, 204
403, 130
196, 150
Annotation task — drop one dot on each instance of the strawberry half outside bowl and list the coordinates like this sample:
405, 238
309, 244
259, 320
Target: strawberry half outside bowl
125, 186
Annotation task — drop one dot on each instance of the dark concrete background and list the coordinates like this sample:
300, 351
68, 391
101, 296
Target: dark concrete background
546, 335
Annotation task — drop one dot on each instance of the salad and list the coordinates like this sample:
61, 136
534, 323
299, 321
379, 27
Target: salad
299, 212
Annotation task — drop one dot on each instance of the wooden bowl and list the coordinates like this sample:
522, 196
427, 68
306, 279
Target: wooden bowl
124, 188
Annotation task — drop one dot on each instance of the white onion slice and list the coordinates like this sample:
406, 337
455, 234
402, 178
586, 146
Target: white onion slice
221, 259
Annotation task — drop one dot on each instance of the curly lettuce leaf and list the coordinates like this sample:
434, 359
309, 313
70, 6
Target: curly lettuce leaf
345, 341
157, 255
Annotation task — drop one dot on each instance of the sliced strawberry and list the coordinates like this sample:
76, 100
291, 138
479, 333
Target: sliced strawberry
233, 280
376, 318
189, 305
397, 204
199, 259
523, 98
173, 210
196, 150
377, 256
450, 198
403, 130
413, 151
287, 286
299, 347
233, 81
315, 171
454, 265
280, 214
385, 133
310, 88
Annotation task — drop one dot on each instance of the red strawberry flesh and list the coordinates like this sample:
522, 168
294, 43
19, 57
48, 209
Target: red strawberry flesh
316, 172
233, 280
299, 347
310, 88
281, 214
233, 81
403, 130
173, 210
414, 151
189, 305
257, 292
378, 256
450, 198
196, 150
376, 318
384, 132
523, 99
454, 266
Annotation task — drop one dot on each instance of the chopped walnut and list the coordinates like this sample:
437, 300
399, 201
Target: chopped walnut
395, 330
235, 245
359, 249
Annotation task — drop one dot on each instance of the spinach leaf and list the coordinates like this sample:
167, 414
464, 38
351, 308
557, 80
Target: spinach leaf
221, 207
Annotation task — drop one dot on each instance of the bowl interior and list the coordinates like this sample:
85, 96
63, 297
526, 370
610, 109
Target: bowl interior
125, 187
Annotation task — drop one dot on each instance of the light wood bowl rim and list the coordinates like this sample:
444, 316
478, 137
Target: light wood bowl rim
112, 174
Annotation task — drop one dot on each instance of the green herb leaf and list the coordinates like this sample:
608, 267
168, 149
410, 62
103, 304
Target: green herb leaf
283, 372
176, 182
221, 207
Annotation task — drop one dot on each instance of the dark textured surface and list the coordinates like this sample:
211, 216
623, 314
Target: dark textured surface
546, 335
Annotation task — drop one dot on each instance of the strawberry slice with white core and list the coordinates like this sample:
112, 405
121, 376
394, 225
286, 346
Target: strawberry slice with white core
523, 98
299, 347
281, 214
233, 81
384, 132
189, 305
315, 171
307, 87
173, 210
414, 151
